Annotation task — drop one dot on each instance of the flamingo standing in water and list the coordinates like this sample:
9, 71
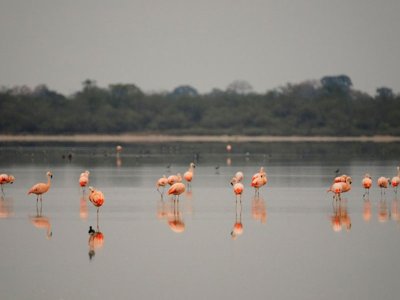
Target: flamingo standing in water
396, 180
259, 179
174, 179
40, 188
383, 183
176, 189
84, 179
4, 178
188, 175
96, 197
367, 183
161, 182
339, 187
237, 187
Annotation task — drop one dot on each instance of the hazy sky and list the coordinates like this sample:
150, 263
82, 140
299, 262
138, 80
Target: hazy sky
160, 44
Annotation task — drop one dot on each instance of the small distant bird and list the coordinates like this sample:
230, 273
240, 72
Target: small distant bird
40, 188
174, 179
176, 189
367, 183
4, 178
118, 149
161, 182
188, 175
84, 178
96, 197
228, 148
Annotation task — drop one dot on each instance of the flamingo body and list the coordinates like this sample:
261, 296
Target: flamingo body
176, 189
96, 197
383, 182
367, 181
41, 188
174, 179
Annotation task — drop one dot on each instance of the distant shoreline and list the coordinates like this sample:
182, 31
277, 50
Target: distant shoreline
154, 138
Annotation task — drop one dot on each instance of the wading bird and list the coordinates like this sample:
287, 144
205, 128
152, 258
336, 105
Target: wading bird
40, 188
396, 180
4, 178
367, 183
188, 175
84, 179
337, 188
96, 197
176, 189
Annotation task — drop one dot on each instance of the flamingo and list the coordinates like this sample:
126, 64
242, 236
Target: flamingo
174, 179
383, 183
176, 189
96, 241
4, 178
174, 218
40, 188
367, 183
239, 176
84, 178
237, 187
259, 179
396, 180
96, 197
188, 175
163, 181
340, 187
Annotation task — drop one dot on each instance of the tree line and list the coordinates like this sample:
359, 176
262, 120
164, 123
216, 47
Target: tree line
325, 107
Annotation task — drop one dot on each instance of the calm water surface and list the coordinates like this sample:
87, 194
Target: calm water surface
295, 242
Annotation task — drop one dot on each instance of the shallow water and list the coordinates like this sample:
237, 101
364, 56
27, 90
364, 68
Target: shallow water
295, 241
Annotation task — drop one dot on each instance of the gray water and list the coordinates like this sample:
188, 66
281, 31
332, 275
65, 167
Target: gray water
296, 242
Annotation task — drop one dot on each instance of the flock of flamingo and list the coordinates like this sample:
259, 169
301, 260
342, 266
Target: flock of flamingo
341, 184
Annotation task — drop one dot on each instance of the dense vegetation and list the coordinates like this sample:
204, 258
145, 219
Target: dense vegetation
326, 107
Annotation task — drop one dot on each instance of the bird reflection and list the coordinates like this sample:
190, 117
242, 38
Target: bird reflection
383, 210
96, 241
174, 217
6, 207
395, 210
83, 209
162, 210
237, 226
340, 218
367, 211
42, 222
259, 210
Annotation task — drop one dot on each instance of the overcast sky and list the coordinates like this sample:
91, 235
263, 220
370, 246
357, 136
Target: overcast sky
160, 44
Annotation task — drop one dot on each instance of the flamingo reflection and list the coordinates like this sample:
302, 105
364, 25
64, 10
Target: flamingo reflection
175, 220
367, 209
41, 222
6, 207
83, 208
96, 241
383, 211
395, 214
340, 218
238, 225
259, 210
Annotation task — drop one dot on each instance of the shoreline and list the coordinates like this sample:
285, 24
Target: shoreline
160, 138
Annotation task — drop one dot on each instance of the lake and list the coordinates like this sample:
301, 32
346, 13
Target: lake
292, 242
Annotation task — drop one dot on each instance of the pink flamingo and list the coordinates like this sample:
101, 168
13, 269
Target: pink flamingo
174, 179
161, 182
237, 187
396, 180
188, 175
258, 180
176, 189
340, 187
383, 183
4, 178
96, 197
239, 176
84, 178
367, 183
40, 188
